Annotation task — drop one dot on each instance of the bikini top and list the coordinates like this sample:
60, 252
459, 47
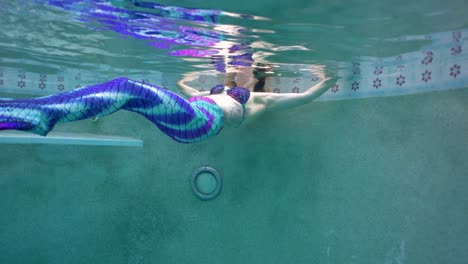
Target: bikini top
240, 94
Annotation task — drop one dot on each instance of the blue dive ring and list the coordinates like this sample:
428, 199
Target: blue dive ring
215, 174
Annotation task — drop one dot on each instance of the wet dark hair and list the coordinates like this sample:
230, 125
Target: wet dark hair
260, 85
260, 75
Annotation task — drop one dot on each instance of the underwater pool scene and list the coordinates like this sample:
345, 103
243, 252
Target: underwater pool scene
373, 171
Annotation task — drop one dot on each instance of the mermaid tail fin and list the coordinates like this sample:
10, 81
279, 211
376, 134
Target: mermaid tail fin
25, 115
15, 125
41, 129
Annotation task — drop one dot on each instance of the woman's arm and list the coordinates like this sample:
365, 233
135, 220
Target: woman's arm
275, 101
187, 90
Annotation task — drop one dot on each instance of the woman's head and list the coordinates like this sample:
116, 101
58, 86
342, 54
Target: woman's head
238, 76
229, 80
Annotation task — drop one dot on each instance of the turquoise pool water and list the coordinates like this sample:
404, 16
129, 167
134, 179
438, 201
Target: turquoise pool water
375, 179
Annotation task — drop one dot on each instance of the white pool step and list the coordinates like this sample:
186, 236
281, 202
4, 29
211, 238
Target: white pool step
63, 138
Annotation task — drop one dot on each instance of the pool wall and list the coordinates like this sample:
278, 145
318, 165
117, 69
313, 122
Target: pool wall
377, 180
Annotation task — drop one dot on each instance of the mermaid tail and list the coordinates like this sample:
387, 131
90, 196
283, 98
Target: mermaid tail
184, 121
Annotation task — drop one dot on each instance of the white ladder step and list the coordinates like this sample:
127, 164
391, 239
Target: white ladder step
63, 138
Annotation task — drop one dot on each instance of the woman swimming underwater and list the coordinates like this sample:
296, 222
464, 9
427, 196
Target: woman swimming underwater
202, 116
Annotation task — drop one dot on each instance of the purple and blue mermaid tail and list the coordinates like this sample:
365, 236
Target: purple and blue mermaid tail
186, 121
